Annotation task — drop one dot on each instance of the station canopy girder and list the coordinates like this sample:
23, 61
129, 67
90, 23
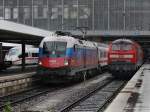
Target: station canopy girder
17, 33
142, 37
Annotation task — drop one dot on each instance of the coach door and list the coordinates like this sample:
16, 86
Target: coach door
84, 56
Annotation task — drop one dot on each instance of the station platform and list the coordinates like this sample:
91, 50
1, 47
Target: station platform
16, 76
17, 70
15, 83
14, 80
135, 96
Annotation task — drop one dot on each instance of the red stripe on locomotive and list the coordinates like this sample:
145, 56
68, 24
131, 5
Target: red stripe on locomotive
53, 62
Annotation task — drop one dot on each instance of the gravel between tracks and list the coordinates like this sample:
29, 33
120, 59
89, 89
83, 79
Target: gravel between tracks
55, 101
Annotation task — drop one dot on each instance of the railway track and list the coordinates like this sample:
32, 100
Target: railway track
24, 96
98, 99
94, 100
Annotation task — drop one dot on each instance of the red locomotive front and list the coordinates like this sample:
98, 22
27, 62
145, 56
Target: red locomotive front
125, 56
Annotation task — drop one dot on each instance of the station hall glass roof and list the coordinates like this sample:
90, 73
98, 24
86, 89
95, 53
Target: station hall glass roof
102, 17
66, 14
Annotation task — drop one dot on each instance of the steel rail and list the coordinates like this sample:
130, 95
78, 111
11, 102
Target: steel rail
92, 94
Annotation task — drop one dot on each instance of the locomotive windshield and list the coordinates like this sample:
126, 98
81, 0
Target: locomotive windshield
121, 46
54, 49
12, 52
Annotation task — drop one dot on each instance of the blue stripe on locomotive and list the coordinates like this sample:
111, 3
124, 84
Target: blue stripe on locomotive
69, 52
88, 53
40, 52
79, 52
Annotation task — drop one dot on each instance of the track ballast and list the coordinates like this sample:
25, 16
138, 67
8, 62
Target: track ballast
98, 99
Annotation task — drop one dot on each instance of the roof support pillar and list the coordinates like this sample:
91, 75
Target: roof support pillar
23, 56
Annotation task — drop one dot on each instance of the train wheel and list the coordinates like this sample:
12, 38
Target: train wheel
84, 75
76, 77
100, 70
95, 72
89, 73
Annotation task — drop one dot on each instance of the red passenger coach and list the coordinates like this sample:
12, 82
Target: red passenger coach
125, 57
103, 55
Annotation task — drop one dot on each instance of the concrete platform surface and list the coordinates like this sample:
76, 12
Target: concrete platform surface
16, 77
17, 70
135, 96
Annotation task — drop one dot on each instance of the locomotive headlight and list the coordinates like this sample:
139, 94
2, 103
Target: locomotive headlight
40, 63
66, 62
114, 56
128, 56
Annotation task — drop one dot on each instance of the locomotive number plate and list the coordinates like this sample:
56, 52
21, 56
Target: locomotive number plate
52, 61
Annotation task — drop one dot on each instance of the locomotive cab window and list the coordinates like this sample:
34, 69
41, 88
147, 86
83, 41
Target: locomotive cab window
26, 55
122, 46
12, 52
54, 49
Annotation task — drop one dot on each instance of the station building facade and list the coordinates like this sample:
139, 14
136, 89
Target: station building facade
100, 15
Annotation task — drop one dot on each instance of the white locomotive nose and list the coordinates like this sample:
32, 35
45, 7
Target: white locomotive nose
7, 58
40, 63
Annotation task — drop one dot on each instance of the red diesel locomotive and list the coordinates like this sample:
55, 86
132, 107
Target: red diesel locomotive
125, 57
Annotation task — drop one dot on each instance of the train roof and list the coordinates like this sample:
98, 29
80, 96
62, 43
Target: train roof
102, 45
123, 40
9, 44
14, 45
67, 38
28, 47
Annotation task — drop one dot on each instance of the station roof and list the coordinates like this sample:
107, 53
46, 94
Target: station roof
14, 32
142, 37
114, 33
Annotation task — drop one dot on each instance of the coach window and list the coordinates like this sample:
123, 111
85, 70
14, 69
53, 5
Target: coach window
100, 54
105, 54
26, 55
34, 54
